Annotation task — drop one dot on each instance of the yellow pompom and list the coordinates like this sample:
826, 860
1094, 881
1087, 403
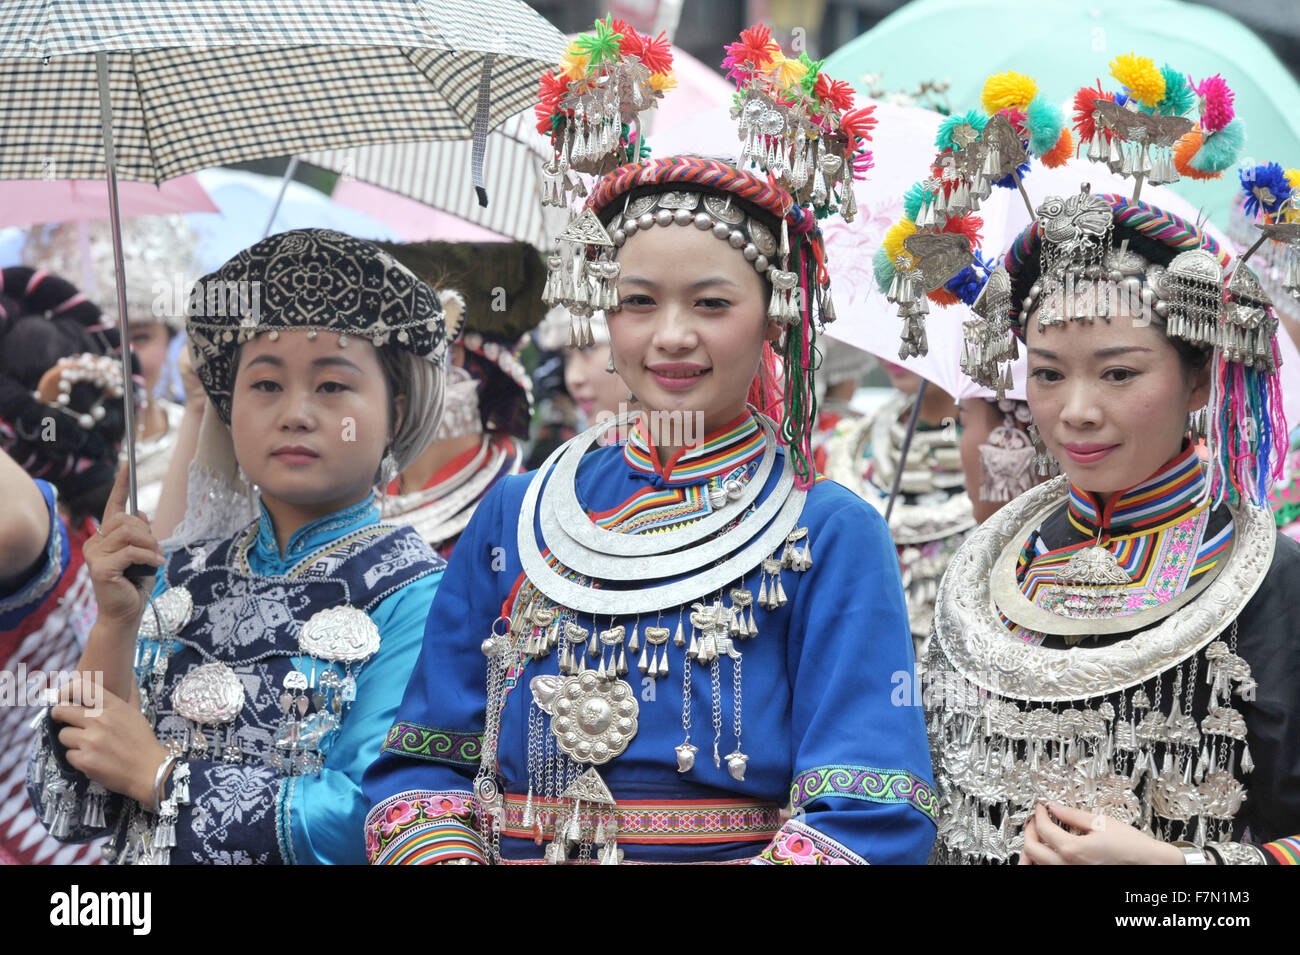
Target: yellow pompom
1293, 178
662, 82
1007, 89
893, 243
787, 72
1140, 75
573, 64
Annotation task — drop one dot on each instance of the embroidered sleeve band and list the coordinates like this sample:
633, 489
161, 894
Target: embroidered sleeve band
798, 844
423, 828
451, 747
1284, 851
865, 783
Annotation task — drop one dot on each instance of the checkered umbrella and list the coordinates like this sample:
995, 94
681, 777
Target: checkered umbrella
152, 89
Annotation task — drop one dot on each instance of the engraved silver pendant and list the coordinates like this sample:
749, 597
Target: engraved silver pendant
339, 634
594, 719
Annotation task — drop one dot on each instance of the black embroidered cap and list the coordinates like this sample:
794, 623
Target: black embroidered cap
308, 280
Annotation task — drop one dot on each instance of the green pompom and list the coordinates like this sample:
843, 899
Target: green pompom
883, 268
1044, 120
943, 138
1179, 96
1221, 150
912, 199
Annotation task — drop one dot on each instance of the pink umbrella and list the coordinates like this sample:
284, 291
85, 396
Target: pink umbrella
413, 221
39, 201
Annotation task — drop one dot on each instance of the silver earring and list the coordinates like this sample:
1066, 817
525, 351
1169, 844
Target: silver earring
609, 367
1197, 424
387, 468
1045, 464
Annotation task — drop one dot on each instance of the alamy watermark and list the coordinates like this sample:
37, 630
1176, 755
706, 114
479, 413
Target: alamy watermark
215, 298
19, 687
662, 429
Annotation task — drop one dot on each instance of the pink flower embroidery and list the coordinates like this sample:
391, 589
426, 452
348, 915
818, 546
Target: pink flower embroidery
444, 805
398, 815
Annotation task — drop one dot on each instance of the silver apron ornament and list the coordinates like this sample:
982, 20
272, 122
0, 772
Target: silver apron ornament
210, 695
342, 635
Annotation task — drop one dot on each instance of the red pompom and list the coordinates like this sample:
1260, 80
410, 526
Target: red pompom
943, 298
967, 225
1084, 124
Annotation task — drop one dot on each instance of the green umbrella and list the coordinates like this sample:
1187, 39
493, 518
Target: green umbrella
1066, 44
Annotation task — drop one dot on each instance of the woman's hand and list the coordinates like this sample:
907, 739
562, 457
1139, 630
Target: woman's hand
195, 397
123, 539
1103, 841
113, 744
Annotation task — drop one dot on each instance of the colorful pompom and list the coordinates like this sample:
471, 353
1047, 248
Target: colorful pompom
967, 284
1044, 121
662, 82
1215, 103
857, 125
573, 62
944, 138
1265, 187
893, 242
835, 94
655, 52
883, 269
1009, 180
752, 53
943, 297
967, 225
599, 46
913, 199
1221, 150
1059, 154
1084, 124
1179, 98
787, 72
1007, 89
1184, 150
1140, 76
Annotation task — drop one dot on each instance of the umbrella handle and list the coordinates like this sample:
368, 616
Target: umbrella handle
907, 446
137, 573
110, 164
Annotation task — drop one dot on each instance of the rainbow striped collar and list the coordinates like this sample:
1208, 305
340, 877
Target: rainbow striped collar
1169, 496
734, 444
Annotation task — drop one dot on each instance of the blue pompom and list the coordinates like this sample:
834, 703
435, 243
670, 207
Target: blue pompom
968, 283
1008, 181
1265, 187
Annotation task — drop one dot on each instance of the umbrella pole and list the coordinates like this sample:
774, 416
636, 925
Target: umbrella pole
110, 164
907, 446
284, 185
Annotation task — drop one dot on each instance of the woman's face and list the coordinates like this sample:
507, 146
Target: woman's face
904, 379
149, 341
310, 420
690, 331
1110, 399
592, 388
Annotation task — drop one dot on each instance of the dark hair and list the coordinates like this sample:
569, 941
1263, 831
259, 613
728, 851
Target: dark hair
37, 330
1193, 357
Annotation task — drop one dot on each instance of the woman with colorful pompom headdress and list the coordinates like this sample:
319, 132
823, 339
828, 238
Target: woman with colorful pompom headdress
1122, 627
703, 558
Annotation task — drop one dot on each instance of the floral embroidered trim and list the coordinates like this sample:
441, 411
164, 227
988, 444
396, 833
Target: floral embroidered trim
798, 844
450, 747
656, 821
422, 828
866, 784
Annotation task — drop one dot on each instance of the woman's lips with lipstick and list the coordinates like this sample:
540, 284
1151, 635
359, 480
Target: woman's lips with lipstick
1089, 453
295, 455
678, 376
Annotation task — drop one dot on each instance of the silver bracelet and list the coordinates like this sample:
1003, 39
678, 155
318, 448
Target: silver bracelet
159, 778
1192, 853
1238, 853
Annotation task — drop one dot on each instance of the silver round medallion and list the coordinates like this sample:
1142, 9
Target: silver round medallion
210, 695
594, 719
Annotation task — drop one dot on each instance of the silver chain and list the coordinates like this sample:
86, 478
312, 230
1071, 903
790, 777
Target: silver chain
735, 699
715, 684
